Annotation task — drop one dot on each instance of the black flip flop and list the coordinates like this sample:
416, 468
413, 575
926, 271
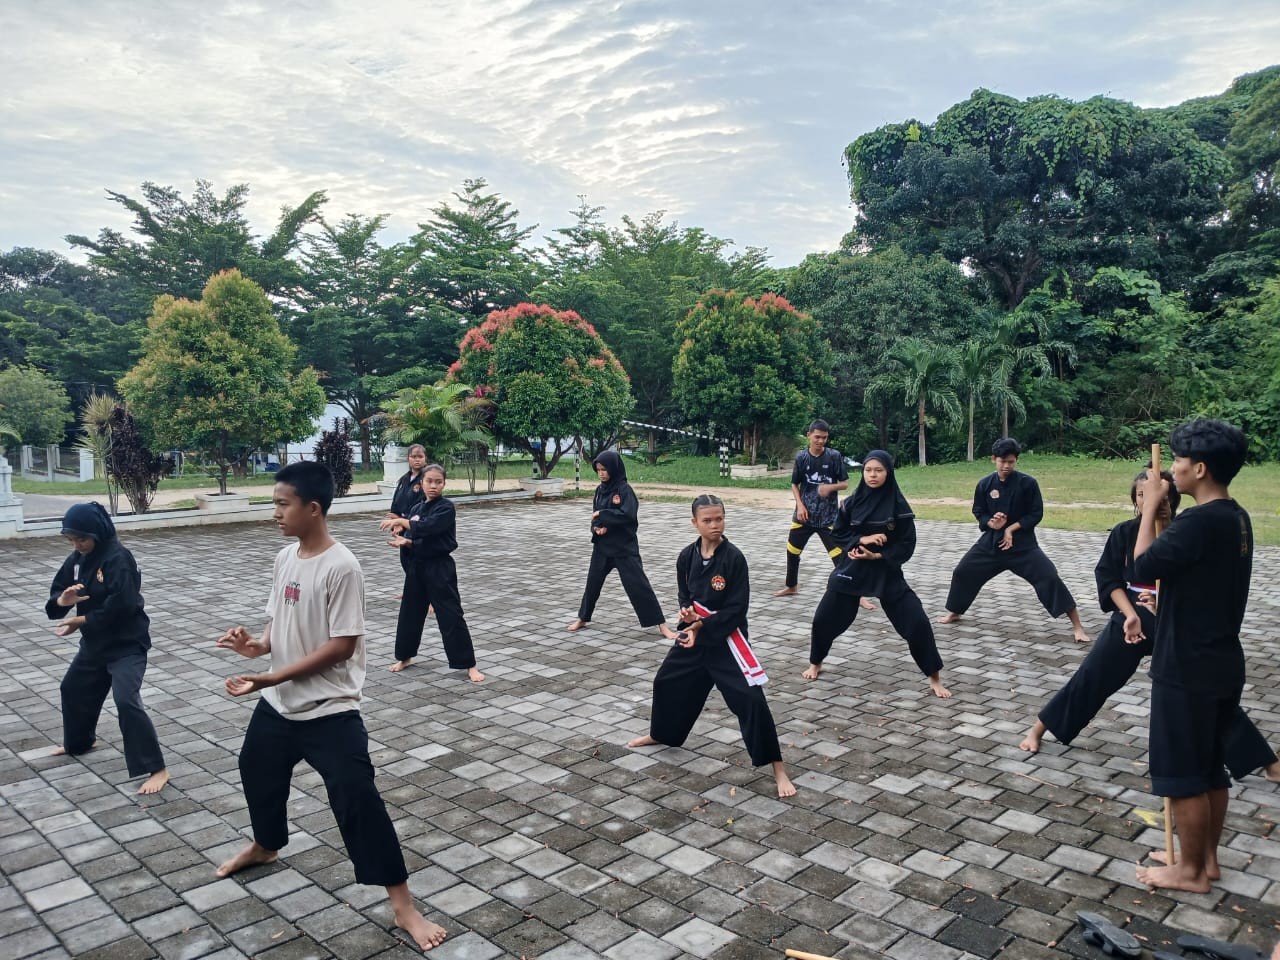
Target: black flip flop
1219, 949
1107, 937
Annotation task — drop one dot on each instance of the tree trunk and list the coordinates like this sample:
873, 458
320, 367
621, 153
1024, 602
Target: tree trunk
971, 426
1006, 419
653, 447
222, 467
920, 439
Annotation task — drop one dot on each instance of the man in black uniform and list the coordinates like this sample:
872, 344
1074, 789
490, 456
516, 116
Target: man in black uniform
818, 476
1008, 505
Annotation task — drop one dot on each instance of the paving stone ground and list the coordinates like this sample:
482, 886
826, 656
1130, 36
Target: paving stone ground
920, 830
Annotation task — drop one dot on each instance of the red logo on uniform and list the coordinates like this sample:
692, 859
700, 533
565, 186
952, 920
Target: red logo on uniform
717, 582
617, 498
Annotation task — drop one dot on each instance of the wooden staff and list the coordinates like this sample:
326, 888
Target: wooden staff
801, 955
1168, 805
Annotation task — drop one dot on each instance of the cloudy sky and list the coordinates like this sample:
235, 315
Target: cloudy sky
728, 114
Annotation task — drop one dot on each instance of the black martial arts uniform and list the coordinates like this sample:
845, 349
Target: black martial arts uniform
808, 474
1018, 498
618, 513
408, 492
1112, 661
432, 581
720, 586
869, 511
113, 642
1204, 560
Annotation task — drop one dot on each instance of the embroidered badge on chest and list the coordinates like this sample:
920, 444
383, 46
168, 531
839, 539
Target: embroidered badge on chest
995, 494
417, 488
617, 498
717, 582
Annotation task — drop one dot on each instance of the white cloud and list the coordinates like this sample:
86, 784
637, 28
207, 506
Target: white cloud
731, 116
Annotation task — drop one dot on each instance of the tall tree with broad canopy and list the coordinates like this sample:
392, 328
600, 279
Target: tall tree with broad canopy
750, 364
185, 242
1020, 190
218, 376
550, 376
356, 321
473, 256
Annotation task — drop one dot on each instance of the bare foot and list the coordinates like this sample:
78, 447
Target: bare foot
866, 604
1211, 868
1272, 771
250, 856
578, 625
154, 783
474, 675
401, 664
939, 691
397, 596
1031, 742
667, 632
786, 592
1173, 878
949, 617
1081, 635
813, 672
61, 751
645, 741
785, 787
425, 933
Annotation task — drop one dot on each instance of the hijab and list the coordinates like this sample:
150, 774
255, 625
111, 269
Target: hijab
878, 505
89, 520
610, 460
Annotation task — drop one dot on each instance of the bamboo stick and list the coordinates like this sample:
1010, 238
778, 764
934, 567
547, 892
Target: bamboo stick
1168, 805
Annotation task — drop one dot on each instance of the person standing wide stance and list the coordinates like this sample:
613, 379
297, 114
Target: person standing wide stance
1007, 505
1204, 561
102, 581
310, 704
614, 519
817, 478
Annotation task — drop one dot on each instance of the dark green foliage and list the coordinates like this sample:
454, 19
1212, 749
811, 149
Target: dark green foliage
334, 451
130, 463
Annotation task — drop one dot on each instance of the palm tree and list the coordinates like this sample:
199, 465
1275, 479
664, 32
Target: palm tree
923, 374
978, 372
439, 416
1009, 334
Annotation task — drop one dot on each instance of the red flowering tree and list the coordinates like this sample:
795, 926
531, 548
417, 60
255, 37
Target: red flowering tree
550, 376
750, 364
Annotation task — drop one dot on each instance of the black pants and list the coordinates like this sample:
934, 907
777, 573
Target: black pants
631, 573
337, 748
84, 691
796, 540
406, 558
434, 583
1107, 668
680, 692
982, 562
837, 611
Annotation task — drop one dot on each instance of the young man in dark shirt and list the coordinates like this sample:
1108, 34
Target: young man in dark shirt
817, 478
1203, 560
1007, 505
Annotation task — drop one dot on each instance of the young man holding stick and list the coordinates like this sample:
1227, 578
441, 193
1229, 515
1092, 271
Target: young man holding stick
1203, 561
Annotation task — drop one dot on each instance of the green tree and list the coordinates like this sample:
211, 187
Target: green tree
473, 256
978, 371
440, 417
922, 374
355, 321
750, 365
219, 376
185, 242
1021, 190
1020, 341
550, 376
33, 405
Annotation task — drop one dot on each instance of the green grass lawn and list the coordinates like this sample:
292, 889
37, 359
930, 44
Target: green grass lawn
191, 480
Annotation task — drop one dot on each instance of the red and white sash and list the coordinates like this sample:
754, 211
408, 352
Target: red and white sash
742, 652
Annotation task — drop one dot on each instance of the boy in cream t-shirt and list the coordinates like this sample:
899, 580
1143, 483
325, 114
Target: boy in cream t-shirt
310, 705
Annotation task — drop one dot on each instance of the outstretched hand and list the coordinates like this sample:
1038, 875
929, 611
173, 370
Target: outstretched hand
247, 683
72, 595
69, 626
241, 641
1133, 629
998, 521
400, 542
1006, 542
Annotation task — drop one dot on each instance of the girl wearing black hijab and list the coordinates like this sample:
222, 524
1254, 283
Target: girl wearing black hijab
877, 531
614, 546
102, 581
